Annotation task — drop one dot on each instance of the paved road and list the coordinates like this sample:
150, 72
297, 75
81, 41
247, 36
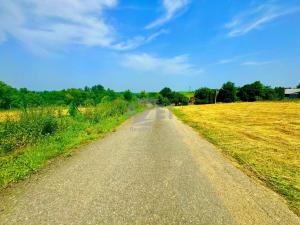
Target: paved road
153, 170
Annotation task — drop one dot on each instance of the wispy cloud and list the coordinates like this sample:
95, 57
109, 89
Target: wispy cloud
236, 58
256, 63
171, 8
178, 65
138, 41
45, 25
257, 17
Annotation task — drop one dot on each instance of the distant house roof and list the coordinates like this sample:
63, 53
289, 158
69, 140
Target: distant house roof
292, 91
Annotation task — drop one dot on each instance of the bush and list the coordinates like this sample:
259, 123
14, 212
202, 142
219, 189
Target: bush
128, 96
105, 110
73, 110
28, 129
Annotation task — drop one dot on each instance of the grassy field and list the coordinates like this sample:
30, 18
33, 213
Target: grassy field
188, 94
264, 137
30, 141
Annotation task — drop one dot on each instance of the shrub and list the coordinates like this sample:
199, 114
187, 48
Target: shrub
128, 96
31, 126
73, 110
105, 110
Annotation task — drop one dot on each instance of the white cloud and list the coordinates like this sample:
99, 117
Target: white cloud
178, 65
236, 58
48, 24
171, 7
256, 63
255, 18
137, 41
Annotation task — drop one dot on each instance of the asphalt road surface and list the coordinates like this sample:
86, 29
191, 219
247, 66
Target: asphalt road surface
152, 170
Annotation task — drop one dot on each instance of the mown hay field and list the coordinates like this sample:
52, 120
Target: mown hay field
264, 137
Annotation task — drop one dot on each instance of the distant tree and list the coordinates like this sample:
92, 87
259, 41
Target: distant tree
180, 99
128, 96
205, 96
163, 101
268, 93
7, 95
142, 95
279, 92
167, 93
298, 86
251, 92
97, 88
227, 93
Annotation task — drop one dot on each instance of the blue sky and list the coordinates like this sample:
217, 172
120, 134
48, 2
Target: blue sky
146, 45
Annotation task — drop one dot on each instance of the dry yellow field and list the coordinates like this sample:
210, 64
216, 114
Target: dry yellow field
9, 114
264, 137
15, 114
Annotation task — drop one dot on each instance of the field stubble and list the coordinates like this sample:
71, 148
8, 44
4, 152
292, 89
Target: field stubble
264, 137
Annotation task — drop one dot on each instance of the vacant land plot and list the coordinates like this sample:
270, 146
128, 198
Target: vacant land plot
264, 137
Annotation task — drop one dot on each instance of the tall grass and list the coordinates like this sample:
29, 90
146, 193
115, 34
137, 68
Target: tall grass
30, 128
38, 135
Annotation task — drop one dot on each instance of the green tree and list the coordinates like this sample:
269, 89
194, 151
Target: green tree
204, 96
269, 93
167, 93
180, 99
251, 92
7, 94
142, 95
279, 93
227, 93
163, 101
128, 96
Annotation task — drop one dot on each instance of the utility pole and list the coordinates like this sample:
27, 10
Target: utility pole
216, 95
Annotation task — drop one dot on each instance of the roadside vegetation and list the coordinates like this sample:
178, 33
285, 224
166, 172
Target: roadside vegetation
167, 97
33, 133
263, 137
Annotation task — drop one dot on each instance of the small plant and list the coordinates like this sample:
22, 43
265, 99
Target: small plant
73, 110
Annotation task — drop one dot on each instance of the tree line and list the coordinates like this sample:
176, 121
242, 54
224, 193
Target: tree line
23, 98
229, 92
11, 97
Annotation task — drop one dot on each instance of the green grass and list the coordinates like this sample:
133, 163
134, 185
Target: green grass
188, 94
32, 154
